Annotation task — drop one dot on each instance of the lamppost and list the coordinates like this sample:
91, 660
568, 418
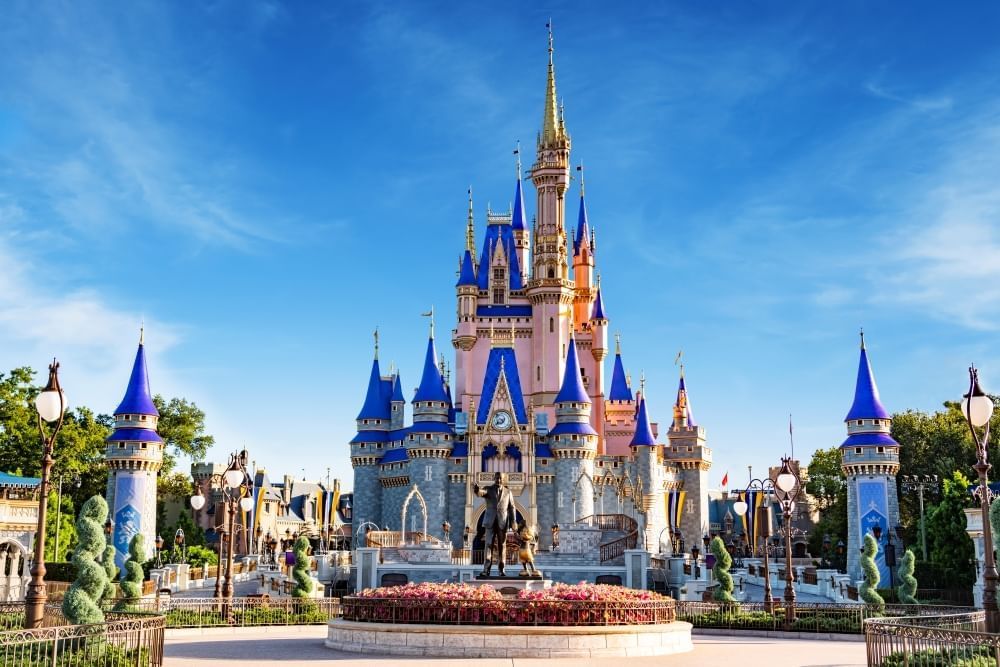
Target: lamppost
51, 406
159, 551
762, 525
237, 493
978, 409
695, 552
840, 555
786, 490
921, 483
256, 542
179, 543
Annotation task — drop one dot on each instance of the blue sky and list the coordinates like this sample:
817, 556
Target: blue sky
265, 182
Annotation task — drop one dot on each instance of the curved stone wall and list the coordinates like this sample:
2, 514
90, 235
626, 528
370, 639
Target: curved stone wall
482, 641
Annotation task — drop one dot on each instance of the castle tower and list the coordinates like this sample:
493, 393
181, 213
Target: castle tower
550, 291
429, 442
599, 350
522, 242
694, 459
373, 422
870, 460
467, 291
647, 455
583, 264
134, 454
574, 443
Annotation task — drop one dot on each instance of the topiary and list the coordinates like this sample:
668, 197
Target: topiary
869, 592
111, 569
300, 571
723, 561
907, 589
995, 517
132, 574
81, 604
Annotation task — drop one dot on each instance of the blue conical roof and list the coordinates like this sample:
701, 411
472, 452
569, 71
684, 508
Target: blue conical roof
643, 432
137, 399
397, 390
683, 395
582, 226
376, 406
620, 391
572, 390
431, 383
598, 313
517, 221
468, 274
866, 400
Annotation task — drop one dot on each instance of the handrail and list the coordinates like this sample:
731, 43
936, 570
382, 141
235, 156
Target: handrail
943, 638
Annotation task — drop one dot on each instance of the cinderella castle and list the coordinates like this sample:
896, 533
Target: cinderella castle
530, 396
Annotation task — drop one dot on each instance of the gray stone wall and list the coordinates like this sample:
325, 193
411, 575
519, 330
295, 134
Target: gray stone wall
694, 523
456, 511
546, 514
367, 495
567, 472
433, 490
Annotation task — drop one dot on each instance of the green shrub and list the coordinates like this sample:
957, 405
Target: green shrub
907, 589
300, 571
111, 569
723, 561
132, 575
81, 605
869, 592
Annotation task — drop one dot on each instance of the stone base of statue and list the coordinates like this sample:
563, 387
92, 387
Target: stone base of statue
513, 584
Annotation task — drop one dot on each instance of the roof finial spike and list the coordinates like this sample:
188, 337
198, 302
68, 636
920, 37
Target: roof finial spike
598, 281
376, 342
628, 379
862, 338
517, 152
579, 168
551, 49
142, 330
618, 342
642, 383
470, 227
430, 314
550, 119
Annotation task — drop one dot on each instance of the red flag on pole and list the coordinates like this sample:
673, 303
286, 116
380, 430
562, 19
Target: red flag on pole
725, 480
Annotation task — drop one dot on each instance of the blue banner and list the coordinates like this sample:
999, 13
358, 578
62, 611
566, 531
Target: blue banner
127, 517
873, 510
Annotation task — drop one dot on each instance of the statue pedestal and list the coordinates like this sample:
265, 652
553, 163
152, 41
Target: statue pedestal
512, 585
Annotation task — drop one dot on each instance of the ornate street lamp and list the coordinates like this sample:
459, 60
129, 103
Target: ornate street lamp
51, 406
179, 542
762, 525
786, 490
159, 551
978, 409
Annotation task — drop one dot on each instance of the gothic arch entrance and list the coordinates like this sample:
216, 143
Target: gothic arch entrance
414, 493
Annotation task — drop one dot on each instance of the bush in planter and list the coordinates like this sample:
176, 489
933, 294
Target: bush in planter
111, 569
723, 561
869, 592
81, 605
198, 556
300, 571
907, 589
132, 575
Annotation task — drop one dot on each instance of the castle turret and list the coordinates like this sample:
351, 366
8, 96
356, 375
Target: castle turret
870, 460
619, 408
134, 454
647, 455
583, 264
522, 242
467, 290
693, 457
368, 446
397, 404
574, 443
599, 350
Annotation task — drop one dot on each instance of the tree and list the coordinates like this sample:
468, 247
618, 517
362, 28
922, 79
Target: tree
182, 427
827, 486
907, 589
869, 588
81, 604
300, 571
133, 574
111, 569
950, 546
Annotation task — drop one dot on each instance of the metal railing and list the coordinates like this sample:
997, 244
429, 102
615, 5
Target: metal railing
129, 639
810, 617
508, 612
929, 641
240, 611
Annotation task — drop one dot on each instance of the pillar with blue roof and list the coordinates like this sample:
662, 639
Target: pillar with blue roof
649, 495
368, 446
574, 443
870, 460
134, 454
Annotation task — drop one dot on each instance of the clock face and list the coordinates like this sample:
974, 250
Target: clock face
502, 420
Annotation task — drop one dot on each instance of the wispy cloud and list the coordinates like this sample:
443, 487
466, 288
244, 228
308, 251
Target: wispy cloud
941, 103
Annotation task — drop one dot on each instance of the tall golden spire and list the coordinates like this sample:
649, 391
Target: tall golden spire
550, 119
470, 229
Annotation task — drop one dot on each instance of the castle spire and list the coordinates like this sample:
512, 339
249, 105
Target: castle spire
643, 432
867, 404
470, 228
572, 390
137, 399
517, 215
551, 128
682, 406
582, 225
375, 406
431, 382
620, 389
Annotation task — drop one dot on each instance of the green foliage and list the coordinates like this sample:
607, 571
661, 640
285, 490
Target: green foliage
827, 486
300, 571
133, 575
907, 589
63, 518
81, 605
949, 546
869, 589
723, 561
968, 656
198, 556
64, 571
111, 569
995, 519
182, 427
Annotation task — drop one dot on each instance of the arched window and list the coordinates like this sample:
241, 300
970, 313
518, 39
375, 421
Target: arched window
552, 325
496, 461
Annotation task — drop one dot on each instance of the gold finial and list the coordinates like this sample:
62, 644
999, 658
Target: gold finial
517, 152
430, 314
376, 342
679, 361
470, 228
618, 342
598, 281
142, 331
862, 339
550, 119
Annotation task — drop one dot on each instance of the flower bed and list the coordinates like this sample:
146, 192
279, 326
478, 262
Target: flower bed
461, 604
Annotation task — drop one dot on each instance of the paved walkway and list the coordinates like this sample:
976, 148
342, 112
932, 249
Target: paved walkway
265, 647
755, 593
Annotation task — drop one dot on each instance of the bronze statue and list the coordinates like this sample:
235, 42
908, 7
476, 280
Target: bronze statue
526, 551
499, 517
